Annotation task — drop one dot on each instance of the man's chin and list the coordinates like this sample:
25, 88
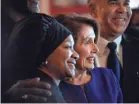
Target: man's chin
119, 30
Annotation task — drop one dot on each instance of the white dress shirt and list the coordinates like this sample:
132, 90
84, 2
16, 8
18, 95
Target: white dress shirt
101, 58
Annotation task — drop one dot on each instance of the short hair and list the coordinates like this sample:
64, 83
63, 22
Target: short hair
73, 23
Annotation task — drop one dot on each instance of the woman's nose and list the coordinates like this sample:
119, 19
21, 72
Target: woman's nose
95, 49
75, 55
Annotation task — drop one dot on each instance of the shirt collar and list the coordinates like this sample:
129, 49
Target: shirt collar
118, 42
102, 44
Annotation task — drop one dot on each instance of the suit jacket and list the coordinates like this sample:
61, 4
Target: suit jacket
129, 80
56, 96
56, 93
130, 76
132, 31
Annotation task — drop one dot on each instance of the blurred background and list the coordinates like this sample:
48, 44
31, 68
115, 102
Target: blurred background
53, 7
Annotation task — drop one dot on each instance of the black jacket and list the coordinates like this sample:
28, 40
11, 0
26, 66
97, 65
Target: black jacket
130, 78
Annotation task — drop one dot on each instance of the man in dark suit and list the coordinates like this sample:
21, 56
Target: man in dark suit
12, 12
113, 17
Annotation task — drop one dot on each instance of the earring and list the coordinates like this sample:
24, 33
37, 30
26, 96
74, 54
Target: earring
44, 63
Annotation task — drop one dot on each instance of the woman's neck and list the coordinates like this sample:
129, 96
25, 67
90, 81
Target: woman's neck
80, 78
54, 77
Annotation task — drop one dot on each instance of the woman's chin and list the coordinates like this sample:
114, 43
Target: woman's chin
72, 72
89, 66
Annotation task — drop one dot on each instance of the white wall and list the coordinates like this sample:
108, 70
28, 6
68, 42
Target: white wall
134, 3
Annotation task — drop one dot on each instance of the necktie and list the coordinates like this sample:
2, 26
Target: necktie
113, 62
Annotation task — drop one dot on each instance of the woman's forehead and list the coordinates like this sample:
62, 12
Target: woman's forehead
69, 39
86, 31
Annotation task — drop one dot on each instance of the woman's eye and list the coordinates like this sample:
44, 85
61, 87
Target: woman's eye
113, 2
68, 47
88, 41
127, 4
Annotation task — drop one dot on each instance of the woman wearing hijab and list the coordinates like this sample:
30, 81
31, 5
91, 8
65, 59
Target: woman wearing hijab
40, 47
90, 84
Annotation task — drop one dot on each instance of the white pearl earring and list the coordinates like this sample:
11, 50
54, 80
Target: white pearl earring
46, 62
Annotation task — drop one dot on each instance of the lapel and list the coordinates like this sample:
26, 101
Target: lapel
125, 46
130, 46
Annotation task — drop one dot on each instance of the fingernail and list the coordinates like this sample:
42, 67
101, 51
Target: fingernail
38, 78
49, 86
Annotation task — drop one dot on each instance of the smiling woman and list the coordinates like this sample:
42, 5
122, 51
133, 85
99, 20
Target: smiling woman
90, 84
40, 47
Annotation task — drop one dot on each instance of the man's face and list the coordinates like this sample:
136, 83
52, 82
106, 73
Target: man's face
113, 16
33, 5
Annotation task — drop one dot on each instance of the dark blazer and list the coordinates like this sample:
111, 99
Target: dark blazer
130, 77
56, 93
56, 96
132, 31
